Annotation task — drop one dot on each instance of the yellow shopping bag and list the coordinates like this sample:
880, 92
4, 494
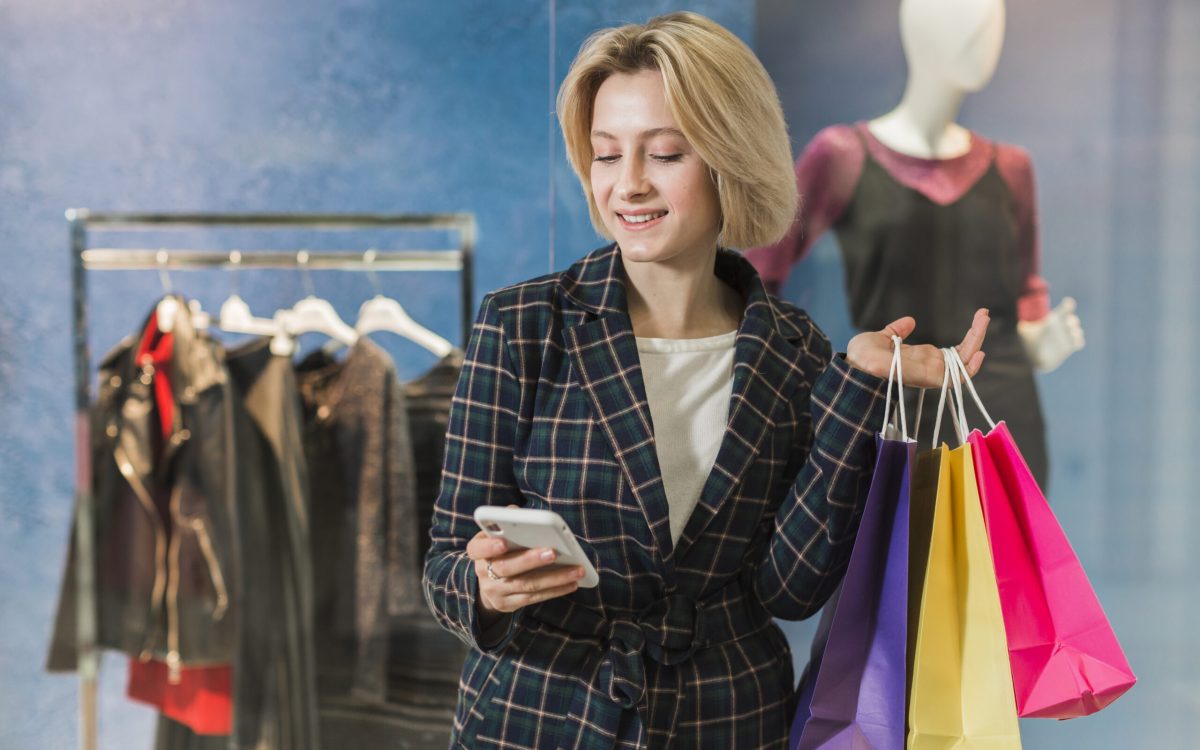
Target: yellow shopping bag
961, 685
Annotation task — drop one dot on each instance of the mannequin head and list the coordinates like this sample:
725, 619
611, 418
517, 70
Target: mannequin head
955, 41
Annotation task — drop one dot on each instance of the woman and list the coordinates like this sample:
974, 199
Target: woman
698, 436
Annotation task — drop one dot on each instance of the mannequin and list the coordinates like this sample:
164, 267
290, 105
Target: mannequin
933, 218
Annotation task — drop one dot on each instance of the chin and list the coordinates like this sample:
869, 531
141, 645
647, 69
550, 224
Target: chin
641, 252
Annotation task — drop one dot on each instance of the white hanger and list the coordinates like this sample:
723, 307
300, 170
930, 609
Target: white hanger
201, 321
382, 313
315, 315
235, 315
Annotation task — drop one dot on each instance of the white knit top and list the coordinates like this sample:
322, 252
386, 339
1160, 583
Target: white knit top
688, 386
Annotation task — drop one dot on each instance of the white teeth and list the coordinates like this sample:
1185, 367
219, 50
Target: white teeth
642, 219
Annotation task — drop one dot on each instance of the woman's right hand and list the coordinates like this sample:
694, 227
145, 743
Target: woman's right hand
522, 578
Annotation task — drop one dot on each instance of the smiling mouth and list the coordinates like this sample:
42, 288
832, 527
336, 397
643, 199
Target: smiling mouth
641, 221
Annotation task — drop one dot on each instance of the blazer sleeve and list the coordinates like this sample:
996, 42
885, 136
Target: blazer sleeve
815, 526
477, 470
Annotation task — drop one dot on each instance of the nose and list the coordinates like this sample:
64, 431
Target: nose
632, 182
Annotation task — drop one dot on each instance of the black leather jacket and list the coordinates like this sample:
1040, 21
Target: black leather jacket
201, 546
170, 501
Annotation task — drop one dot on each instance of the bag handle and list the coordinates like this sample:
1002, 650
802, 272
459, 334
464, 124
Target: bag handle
937, 422
961, 369
896, 374
957, 409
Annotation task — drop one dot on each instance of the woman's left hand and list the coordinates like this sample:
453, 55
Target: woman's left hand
923, 365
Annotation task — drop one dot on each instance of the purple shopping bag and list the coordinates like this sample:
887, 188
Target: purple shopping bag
808, 680
858, 682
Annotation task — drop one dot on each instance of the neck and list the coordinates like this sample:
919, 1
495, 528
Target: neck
680, 299
923, 124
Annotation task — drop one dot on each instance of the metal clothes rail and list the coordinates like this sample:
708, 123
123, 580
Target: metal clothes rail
85, 258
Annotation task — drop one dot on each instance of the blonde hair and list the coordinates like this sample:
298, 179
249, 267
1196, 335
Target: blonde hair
724, 102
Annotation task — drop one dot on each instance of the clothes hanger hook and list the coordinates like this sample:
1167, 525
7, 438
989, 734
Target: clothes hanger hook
302, 259
235, 262
164, 277
369, 258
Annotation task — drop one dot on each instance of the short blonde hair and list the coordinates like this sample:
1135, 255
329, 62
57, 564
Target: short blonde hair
724, 102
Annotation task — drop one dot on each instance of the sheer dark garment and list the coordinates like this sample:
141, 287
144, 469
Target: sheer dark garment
904, 254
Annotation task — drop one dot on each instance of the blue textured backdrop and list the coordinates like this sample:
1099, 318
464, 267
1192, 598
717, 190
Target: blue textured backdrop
372, 105
1104, 94
354, 105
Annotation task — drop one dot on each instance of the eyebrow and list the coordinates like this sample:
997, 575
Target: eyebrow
645, 133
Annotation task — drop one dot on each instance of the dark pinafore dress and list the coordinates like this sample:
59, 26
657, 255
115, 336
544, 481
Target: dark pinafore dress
905, 254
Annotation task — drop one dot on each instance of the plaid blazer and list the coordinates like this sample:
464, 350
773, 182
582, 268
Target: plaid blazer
676, 646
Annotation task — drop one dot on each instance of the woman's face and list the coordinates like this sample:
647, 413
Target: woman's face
651, 188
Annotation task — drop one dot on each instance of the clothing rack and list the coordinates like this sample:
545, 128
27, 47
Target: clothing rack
85, 258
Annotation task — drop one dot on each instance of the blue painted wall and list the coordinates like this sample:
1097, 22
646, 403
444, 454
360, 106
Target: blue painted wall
372, 105
1103, 93
354, 105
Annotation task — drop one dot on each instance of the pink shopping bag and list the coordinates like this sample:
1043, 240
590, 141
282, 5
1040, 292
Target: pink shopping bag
1066, 661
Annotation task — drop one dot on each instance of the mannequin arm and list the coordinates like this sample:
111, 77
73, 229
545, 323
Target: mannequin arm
1058, 335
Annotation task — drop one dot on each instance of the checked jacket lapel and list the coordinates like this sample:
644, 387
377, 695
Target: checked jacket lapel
763, 381
604, 353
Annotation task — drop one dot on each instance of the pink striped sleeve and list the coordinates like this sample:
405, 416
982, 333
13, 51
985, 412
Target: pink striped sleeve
1017, 170
826, 174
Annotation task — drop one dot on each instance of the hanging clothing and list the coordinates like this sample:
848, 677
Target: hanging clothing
425, 660
191, 531
364, 537
275, 673
200, 697
428, 398
165, 541
935, 239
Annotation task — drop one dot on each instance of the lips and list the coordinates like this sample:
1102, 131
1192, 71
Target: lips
642, 220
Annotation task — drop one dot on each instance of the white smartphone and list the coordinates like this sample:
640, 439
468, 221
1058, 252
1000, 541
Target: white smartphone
527, 528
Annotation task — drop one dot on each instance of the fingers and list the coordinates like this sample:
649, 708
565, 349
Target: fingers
970, 350
901, 327
522, 576
974, 364
973, 341
1067, 305
484, 547
513, 591
519, 562
513, 602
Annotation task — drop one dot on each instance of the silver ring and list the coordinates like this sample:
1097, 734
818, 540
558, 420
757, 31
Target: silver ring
491, 573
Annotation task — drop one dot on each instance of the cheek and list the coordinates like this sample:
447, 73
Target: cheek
601, 187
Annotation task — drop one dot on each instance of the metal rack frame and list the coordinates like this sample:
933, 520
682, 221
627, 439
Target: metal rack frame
85, 258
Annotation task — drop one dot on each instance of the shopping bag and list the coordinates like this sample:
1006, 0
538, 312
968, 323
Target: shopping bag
808, 680
1066, 661
853, 693
961, 693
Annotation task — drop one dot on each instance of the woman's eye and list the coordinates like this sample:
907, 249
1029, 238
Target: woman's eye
606, 159
666, 158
